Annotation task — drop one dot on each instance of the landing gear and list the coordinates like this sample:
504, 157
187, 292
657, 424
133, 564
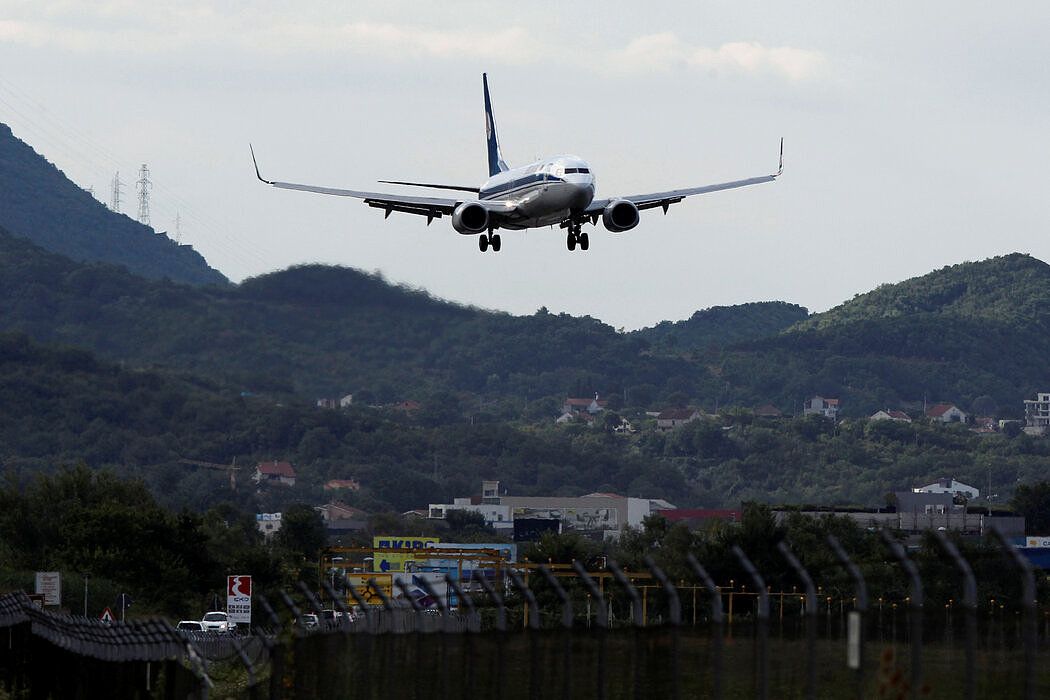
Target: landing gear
575, 237
491, 239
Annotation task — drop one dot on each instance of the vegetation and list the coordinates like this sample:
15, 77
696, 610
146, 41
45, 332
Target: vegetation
39, 203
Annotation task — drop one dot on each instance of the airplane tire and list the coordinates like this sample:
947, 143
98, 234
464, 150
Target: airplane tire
585, 241
570, 241
483, 242
496, 242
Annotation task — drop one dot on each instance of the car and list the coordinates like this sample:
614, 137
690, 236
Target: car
217, 621
310, 621
190, 626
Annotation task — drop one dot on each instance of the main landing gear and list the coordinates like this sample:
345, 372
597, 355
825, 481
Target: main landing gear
576, 237
490, 239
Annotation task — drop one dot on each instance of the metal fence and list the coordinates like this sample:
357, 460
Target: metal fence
580, 634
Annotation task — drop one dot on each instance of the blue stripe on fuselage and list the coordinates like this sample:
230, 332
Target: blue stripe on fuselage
509, 188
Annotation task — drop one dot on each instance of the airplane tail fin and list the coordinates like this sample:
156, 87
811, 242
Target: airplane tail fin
496, 162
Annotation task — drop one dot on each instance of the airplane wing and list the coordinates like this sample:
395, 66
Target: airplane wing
430, 207
666, 199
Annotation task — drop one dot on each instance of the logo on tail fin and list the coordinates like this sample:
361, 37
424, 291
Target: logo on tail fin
496, 162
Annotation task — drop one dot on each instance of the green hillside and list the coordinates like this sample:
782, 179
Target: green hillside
720, 325
39, 203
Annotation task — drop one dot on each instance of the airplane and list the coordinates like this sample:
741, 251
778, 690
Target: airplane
554, 191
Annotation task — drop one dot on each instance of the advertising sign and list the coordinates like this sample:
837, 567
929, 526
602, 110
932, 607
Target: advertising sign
384, 583
239, 599
1030, 541
395, 561
49, 585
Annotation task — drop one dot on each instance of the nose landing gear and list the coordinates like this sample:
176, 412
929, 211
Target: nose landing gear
576, 237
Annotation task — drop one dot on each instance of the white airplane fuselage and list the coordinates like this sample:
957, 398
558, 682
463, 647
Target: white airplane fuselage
543, 193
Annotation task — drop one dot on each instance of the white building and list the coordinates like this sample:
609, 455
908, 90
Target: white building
1037, 414
955, 488
821, 406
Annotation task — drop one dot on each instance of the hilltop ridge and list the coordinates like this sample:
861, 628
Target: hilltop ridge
39, 203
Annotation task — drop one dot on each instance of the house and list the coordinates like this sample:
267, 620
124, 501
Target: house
887, 414
348, 484
1037, 415
671, 418
340, 511
274, 473
951, 486
821, 406
946, 413
591, 406
768, 411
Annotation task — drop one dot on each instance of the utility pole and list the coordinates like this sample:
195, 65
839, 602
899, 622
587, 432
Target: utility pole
143, 186
86, 576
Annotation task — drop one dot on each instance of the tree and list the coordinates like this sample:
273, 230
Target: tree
1033, 502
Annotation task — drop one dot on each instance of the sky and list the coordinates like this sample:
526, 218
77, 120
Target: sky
915, 136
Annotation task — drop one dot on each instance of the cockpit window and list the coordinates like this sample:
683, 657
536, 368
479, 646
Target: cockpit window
576, 170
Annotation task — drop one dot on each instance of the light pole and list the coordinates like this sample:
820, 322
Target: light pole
86, 575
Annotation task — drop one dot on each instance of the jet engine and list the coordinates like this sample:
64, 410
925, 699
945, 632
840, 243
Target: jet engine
470, 218
620, 215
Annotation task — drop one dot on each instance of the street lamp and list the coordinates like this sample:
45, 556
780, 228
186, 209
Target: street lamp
86, 575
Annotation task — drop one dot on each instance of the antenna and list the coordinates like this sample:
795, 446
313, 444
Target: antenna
115, 192
178, 228
143, 186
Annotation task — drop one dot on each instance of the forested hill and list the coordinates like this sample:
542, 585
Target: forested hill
320, 331
38, 202
978, 330
1013, 288
721, 325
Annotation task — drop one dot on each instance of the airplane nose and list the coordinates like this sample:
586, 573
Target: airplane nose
583, 193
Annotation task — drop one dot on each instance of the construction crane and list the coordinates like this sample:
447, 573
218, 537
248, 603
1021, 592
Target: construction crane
232, 468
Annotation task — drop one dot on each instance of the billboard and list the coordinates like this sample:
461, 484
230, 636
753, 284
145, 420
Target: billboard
383, 582
49, 585
387, 562
239, 599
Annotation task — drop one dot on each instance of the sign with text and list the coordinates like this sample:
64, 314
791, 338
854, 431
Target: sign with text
49, 585
387, 562
239, 599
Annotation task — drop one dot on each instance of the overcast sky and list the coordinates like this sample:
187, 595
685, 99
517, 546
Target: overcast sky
916, 136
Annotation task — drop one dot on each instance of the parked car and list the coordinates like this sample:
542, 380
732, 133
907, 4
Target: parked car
218, 621
310, 621
190, 626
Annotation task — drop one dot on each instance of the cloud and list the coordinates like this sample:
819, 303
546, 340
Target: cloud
666, 51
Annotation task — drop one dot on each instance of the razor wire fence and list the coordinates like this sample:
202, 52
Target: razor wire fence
849, 631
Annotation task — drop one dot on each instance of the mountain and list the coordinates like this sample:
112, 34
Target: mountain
38, 202
976, 330
1012, 288
720, 325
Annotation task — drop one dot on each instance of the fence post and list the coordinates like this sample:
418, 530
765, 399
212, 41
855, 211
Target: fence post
811, 617
914, 609
717, 617
970, 606
637, 623
1028, 611
533, 626
855, 641
762, 636
566, 625
501, 629
603, 622
675, 615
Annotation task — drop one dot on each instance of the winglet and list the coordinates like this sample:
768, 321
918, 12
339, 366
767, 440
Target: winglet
780, 170
496, 162
256, 163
